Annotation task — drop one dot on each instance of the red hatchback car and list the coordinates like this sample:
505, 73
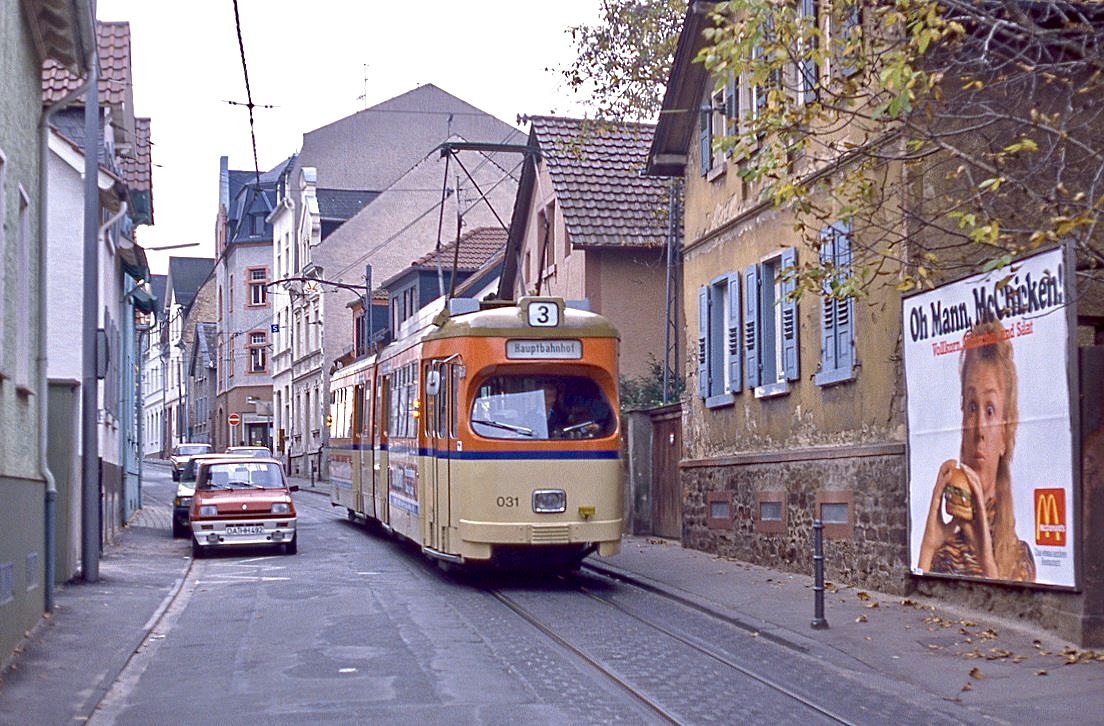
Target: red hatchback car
243, 501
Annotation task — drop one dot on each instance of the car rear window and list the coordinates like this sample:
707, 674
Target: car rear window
193, 450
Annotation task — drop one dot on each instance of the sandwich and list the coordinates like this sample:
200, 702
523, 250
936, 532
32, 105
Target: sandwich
957, 495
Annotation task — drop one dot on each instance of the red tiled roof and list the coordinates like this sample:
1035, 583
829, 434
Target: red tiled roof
476, 247
597, 171
113, 44
138, 168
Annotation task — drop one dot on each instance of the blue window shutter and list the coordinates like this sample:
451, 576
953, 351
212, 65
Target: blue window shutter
845, 309
789, 319
733, 352
732, 107
828, 351
703, 342
751, 325
705, 137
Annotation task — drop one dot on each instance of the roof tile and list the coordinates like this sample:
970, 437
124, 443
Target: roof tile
597, 172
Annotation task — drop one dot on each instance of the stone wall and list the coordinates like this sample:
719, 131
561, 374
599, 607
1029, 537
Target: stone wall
871, 550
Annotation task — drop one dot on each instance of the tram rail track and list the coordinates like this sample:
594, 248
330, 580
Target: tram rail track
663, 712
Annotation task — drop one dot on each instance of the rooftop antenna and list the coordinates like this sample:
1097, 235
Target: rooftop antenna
364, 96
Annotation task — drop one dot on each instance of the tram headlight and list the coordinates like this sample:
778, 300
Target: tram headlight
549, 500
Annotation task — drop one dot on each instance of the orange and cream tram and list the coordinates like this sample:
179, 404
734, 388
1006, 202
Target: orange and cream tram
489, 436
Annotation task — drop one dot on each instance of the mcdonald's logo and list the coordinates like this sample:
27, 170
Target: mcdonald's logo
1050, 517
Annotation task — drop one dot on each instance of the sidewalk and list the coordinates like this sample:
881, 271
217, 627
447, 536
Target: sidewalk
67, 663
995, 669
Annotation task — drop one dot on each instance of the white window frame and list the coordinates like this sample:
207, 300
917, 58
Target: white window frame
258, 345
258, 286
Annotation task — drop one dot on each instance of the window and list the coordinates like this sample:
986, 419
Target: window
719, 513
720, 113
541, 407
835, 509
231, 310
546, 223
806, 68
23, 353
258, 352
719, 340
837, 316
258, 286
847, 50
770, 512
770, 325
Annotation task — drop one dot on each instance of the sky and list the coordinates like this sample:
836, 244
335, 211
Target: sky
316, 62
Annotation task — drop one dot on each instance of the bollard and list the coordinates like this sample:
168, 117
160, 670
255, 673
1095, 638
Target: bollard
819, 622
312, 474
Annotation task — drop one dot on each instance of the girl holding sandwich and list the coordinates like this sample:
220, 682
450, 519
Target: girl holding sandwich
980, 537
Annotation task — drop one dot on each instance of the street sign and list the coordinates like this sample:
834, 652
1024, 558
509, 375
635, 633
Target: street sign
233, 419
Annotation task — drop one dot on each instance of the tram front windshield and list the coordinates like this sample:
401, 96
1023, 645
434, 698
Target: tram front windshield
541, 407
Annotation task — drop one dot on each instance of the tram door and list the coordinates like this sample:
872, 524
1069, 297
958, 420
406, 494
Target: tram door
365, 431
442, 434
380, 480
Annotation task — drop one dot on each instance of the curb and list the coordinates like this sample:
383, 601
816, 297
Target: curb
691, 601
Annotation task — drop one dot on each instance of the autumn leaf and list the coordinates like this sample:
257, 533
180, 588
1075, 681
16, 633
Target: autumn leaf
976, 673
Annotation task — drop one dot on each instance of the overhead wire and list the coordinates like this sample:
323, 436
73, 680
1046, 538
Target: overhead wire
248, 93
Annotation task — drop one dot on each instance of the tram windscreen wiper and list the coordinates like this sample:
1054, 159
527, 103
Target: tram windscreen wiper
509, 427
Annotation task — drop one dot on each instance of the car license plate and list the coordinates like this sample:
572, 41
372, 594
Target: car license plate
245, 529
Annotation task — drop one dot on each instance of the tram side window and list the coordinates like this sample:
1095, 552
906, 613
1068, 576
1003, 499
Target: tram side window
541, 407
358, 411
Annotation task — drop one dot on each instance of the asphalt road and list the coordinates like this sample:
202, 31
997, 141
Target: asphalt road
358, 628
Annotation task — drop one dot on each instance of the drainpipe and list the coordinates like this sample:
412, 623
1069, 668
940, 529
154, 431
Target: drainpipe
91, 521
43, 331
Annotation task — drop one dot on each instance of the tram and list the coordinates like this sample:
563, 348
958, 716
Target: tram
488, 436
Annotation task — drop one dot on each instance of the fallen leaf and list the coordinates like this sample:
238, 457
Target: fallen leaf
860, 619
1040, 673
873, 604
967, 687
976, 673
862, 595
910, 603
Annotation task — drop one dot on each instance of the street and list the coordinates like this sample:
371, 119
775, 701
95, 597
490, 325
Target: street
358, 628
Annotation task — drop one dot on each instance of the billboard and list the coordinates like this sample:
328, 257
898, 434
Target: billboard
990, 447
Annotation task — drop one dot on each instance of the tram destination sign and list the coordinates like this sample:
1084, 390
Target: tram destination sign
544, 349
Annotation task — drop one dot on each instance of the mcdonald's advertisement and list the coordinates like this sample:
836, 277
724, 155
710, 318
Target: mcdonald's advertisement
990, 442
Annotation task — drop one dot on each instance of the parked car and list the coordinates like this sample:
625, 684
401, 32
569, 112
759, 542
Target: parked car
242, 500
258, 451
182, 454
185, 489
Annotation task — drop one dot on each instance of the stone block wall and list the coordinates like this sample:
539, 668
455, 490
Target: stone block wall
869, 550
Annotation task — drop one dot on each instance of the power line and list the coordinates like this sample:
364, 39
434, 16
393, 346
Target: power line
248, 92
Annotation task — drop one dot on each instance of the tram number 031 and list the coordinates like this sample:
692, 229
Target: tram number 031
508, 502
